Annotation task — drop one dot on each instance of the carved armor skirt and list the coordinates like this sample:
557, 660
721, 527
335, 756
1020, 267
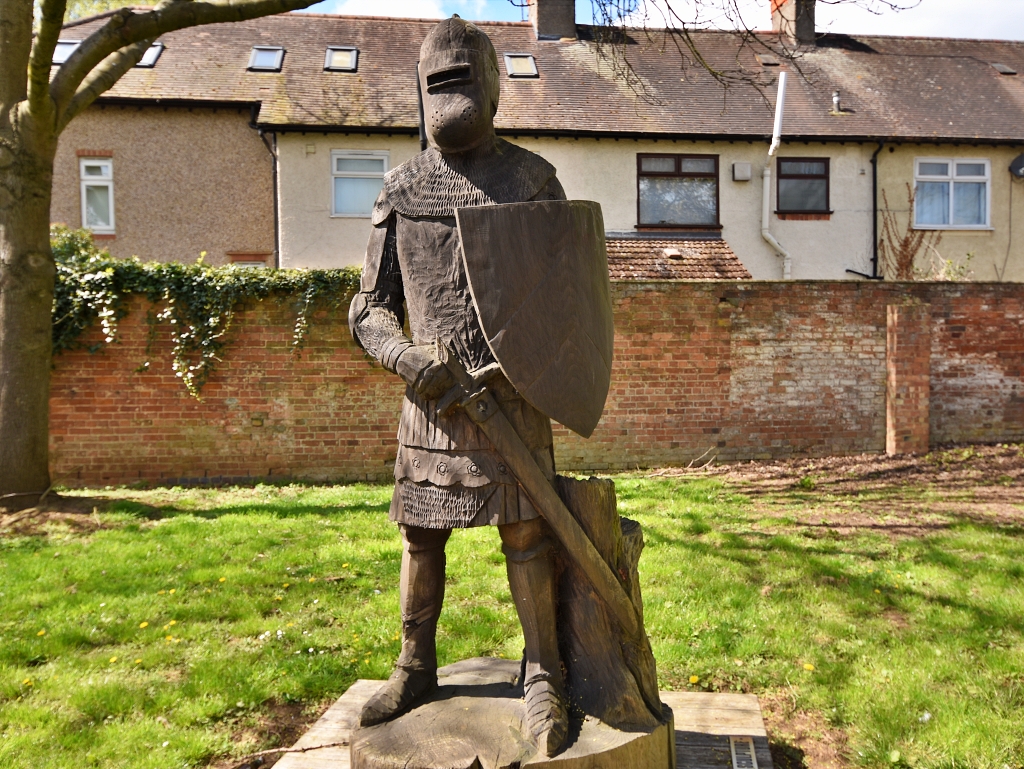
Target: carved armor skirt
448, 474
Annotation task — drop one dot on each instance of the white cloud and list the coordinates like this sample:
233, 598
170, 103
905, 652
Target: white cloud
998, 19
414, 9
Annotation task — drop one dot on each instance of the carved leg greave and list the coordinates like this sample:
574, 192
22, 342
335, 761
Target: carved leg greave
422, 593
531, 578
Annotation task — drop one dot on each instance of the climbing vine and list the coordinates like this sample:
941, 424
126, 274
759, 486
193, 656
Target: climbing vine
196, 301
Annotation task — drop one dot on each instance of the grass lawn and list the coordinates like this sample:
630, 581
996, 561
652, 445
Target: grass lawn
184, 627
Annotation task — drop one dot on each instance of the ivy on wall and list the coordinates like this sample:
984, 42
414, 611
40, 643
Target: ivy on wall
196, 301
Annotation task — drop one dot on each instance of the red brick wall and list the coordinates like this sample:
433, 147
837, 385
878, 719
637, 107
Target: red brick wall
739, 370
908, 354
977, 366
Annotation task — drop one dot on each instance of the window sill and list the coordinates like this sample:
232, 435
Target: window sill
954, 228
676, 227
249, 257
351, 216
805, 216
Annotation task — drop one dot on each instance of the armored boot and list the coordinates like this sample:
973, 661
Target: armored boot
532, 581
422, 593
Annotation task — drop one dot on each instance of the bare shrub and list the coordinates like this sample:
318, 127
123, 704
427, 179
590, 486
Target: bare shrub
900, 245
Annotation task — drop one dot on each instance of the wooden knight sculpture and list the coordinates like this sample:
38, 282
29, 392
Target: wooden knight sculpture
506, 286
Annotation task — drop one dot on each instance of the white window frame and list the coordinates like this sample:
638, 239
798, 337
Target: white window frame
63, 50
328, 67
278, 61
950, 179
150, 57
335, 154
107, 180
510, 69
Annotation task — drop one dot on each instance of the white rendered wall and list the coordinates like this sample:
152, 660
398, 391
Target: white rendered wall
310, 236
605, 171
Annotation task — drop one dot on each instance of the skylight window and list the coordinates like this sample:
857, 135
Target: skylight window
766, 60
149, 58
520, 65
266, 58
341, 58
1004, 69
64, 50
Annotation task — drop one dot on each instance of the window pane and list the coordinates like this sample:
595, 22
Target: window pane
265, 59
522, 65
931, 203
64, 50
678, 201
99, 169
697, 165
803, 195
151, 55
802, 167
97, 206
658, 165
358, 165
343, 59
970, 169
356, 196
969, 203
933, 169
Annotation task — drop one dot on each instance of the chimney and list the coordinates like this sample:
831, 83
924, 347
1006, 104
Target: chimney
553, 19
794, 19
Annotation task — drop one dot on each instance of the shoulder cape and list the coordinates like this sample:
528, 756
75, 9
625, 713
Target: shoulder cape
433, 185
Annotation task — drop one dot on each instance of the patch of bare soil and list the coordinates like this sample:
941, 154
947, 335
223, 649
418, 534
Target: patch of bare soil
76, 513
280, 725
801, 739
900, 496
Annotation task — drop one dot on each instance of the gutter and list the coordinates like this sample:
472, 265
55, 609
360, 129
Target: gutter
766, 175
272, 149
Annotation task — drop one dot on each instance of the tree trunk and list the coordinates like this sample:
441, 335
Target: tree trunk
26, 301
610, 674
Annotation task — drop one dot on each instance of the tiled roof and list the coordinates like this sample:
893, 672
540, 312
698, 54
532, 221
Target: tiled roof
651, 259
893, 87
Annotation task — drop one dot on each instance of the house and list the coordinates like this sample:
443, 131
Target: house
264, 142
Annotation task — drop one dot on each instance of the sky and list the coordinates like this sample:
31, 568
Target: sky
1000, 19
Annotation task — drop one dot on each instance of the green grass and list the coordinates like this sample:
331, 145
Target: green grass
893, 629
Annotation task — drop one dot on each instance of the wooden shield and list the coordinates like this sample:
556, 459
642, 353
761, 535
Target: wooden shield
538, 273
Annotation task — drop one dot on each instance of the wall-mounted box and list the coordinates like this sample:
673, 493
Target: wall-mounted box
741, 172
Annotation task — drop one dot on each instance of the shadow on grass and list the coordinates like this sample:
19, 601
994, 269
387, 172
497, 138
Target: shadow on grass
279, 509
751, 549
786, 756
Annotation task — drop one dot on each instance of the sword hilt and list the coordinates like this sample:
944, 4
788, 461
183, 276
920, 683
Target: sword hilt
467, 383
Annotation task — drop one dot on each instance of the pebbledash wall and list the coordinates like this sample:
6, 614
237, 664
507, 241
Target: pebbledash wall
735, 370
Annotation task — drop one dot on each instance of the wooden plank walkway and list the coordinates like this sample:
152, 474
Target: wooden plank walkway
704, 724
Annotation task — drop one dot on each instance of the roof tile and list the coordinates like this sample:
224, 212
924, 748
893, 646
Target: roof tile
675, 259
891, 87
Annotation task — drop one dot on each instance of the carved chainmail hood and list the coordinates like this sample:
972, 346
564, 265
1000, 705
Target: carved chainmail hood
434, 185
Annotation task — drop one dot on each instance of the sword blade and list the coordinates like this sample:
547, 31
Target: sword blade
483, 409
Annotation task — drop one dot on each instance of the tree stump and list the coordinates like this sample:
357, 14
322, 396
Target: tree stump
609, 674
475, 720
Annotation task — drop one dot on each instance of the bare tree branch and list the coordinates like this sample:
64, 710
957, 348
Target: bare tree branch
102, 78
126, 27
15, 47
622, 25
50, 23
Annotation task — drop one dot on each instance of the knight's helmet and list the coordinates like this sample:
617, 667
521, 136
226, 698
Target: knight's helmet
460, 83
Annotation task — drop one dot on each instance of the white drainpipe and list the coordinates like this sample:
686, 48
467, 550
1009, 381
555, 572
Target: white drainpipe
766, 196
